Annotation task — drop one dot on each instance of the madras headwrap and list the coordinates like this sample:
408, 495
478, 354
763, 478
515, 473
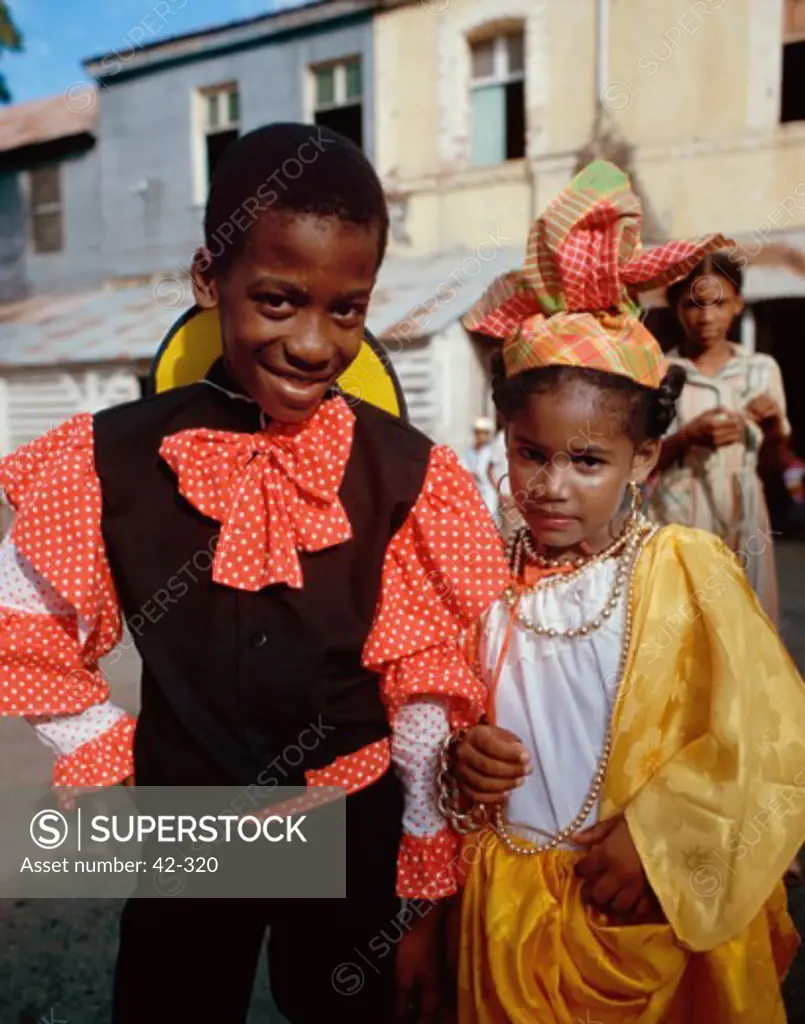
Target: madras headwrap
570, 304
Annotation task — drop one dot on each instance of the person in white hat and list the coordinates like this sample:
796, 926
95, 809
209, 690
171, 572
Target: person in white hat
476, 461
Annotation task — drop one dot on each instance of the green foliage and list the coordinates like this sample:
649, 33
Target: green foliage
10, 39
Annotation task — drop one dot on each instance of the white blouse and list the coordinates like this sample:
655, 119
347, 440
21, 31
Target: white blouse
556, 695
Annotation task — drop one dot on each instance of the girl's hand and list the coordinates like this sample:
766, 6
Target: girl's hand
616, 882
715, 428
420, 969
489, 763
764, 411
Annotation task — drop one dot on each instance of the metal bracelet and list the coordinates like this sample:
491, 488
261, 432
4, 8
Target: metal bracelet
449, 793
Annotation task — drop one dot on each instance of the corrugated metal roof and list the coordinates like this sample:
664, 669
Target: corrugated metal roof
58, 117
418, 297
414, 298
107, 326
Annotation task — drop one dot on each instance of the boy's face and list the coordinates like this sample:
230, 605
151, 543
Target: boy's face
706, 309
292, 306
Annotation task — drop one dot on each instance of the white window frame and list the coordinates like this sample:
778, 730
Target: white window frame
340, 81
501, 75
201, 128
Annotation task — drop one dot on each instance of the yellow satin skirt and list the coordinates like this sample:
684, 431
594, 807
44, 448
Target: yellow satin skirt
531, 950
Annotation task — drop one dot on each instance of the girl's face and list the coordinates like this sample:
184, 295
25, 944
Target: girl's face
570, 462
292, 306
707, 308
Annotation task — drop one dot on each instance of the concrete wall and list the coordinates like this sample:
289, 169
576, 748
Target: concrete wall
423, 135
151, 216
694, 87
13, 229
130, 205
22, 271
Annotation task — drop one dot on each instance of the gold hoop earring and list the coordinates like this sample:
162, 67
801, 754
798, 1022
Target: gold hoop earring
636, 498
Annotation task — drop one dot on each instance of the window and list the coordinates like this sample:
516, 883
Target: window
498, 99
220, 121
338, 98
46, 209
792, 107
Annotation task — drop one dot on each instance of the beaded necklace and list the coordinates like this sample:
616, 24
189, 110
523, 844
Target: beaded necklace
639, 533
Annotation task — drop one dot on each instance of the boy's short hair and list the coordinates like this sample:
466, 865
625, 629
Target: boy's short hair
290, 168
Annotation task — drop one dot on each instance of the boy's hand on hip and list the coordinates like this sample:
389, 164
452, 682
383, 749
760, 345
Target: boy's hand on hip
489, 763
616, 883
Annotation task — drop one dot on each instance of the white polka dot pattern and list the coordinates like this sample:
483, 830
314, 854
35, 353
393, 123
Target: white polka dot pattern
419, 729
354, 771
22, 589
443, 568
66, 733
275, 492
428, 866
58, 607
104, 761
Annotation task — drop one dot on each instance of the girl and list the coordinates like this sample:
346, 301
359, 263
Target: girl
632, 874
274, 551
730, 421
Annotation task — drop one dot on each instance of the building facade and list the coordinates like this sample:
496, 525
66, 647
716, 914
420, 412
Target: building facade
703, 102
475, 113
509, 95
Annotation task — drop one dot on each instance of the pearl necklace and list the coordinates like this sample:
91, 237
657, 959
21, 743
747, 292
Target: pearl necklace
498, 822
527, 542
630, 541
518, 550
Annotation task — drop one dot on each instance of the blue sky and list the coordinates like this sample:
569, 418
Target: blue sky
60, 33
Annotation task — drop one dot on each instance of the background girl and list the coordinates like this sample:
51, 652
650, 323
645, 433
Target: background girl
730, 422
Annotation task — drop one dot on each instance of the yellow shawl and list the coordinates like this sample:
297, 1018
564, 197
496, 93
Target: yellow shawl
708, 760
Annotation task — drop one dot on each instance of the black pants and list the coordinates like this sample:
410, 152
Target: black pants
195, 960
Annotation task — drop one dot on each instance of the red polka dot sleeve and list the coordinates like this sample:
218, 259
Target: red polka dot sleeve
58, 608
444, 567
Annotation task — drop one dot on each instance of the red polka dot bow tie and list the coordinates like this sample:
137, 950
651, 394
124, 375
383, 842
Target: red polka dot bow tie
275, 493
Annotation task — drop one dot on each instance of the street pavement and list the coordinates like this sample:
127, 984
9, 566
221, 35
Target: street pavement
57, 956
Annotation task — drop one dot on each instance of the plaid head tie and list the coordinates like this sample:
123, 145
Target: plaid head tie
570, 303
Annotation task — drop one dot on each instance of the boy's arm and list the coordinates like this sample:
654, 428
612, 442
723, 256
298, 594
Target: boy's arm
442, 570
58, 610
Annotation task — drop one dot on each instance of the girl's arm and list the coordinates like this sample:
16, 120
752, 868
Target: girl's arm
769, 412
58, 609
713, 429
673, 449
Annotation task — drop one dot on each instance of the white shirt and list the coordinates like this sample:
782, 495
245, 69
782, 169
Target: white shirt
556, 695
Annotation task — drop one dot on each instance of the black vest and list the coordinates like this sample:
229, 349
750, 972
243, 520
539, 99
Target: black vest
238, 686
